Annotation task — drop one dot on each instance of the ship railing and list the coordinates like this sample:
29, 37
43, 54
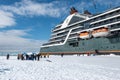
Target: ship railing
68, 27
57, 27
58, 36
64, 30
74, 37
58, 40
114, 29
60, 43
75, 33
59, 32
100, 26
105, 19
107, 12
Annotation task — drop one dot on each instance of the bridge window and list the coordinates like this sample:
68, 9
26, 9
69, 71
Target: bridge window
75, 19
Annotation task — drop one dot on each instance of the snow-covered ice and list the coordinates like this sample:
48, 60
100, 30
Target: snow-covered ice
58, 68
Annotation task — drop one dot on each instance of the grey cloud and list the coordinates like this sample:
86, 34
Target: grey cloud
11, 42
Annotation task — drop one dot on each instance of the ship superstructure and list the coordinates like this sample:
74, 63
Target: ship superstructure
83, 33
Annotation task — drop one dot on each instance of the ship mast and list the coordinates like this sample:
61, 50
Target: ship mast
94, 5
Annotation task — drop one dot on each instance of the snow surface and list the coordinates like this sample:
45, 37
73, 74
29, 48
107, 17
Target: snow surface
61, 68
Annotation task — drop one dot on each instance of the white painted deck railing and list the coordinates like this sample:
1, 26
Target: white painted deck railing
60, 43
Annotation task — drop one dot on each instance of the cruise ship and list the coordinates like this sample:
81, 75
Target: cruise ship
86, 34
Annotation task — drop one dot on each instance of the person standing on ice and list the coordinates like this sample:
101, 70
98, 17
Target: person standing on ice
38, 57
8, 56
34, 56
62, 55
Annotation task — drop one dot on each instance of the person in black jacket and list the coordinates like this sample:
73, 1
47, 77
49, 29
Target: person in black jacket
38, 57
62, 55
8, 56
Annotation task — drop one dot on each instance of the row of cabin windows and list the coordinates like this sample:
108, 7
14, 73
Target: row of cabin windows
106, 16
77, 29
73, 35
102, 47
74, 44
62, 37
57, 27
115, 26
67, 28
62, 33
98, 24
105, 22
55, 42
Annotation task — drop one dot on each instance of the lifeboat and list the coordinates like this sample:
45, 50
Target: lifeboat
84, 35
100, 32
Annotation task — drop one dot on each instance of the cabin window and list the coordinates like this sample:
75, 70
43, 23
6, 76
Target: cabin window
111, 13
102, 17
105, 22
86, 25
119, 11
118, 18
75, 44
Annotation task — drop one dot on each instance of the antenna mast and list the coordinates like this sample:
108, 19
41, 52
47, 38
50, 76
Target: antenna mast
110, 5
94, 5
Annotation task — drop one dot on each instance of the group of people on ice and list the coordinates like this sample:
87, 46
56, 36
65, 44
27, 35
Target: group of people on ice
30, 56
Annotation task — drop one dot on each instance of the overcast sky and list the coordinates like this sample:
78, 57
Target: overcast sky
26, 24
